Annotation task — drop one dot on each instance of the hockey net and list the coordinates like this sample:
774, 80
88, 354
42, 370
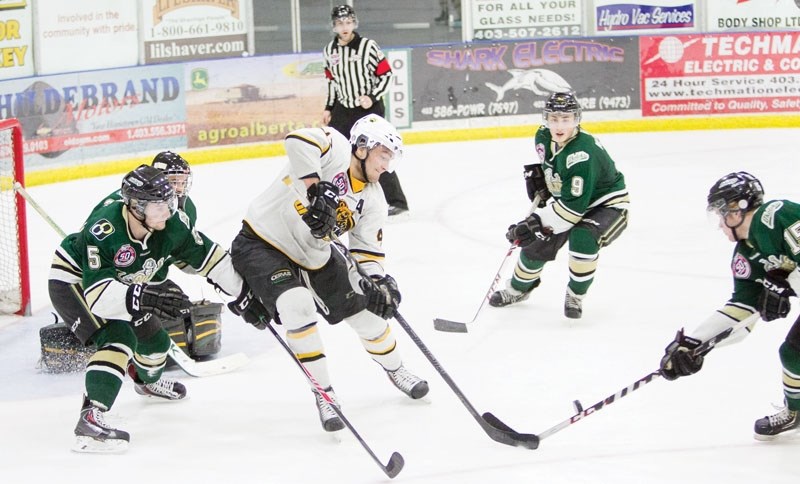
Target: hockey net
14, 275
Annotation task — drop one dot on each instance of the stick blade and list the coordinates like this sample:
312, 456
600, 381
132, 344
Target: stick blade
394, 466
448, 326
218, 366
500, 432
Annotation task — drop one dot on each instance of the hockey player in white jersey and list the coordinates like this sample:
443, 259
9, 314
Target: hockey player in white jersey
285, 254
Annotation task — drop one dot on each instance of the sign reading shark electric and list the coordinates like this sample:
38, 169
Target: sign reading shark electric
469, 81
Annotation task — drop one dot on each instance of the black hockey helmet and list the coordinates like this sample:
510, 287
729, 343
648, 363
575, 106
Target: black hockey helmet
735, 191
177, 169
562, 102
147, 184
341, 12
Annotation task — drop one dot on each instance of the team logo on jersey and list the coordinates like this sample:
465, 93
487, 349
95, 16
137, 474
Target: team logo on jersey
540, 151
768, 215
279, 276
576, 158
335, 58
741, 267
340, 182
125, 256
344, 218
102, 229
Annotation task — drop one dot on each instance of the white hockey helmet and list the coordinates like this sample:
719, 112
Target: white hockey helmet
372, 130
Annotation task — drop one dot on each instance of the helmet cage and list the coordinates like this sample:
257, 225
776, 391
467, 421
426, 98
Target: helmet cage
177, 170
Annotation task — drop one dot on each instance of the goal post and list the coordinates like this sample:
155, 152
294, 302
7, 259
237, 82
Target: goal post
15, 294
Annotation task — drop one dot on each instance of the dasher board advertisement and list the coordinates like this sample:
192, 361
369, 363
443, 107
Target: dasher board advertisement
622, 17
510, 19
177, 30
16, 35
84, 36
731, 15
755, 72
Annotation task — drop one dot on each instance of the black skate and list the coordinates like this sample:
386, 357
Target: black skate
93, 434
769, 427
408, 383
573, 305
167, 389
327, 415
509, 295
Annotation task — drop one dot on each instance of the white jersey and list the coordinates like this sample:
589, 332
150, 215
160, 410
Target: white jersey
362, 211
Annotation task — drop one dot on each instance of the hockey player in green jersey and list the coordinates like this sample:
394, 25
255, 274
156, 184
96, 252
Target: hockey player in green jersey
767, 251
102, 284
582, 200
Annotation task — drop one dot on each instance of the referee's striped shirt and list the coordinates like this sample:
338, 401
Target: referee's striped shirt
354, 70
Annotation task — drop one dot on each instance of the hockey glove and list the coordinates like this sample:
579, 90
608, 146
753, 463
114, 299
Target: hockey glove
774, 300
525, 232
165, 300
249, 308
323, 198
678, 359
535, 184
383, 296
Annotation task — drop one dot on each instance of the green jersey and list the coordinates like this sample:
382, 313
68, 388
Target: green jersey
105, 259
581, 176
775, 232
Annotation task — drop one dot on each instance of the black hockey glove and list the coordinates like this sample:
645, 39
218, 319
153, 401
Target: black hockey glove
774, 300
323, 198
535, 184
249, 308
382, 294
525, 232
165, 300
678, 360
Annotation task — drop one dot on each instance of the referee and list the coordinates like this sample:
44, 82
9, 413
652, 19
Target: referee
358, 77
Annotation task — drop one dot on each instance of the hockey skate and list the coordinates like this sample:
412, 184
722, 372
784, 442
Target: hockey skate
509, 295
769, 427
408, 383
166, 389
93, 434
573, 305
327, 415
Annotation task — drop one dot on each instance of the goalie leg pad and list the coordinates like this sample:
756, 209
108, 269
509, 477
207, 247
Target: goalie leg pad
62, 351
204, 330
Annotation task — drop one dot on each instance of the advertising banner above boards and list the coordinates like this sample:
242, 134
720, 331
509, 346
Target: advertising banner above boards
177, 30
620, 17
262, 99
720, 74
72, 117
85, 35
474, 80
514, 19
726, 15
16, 39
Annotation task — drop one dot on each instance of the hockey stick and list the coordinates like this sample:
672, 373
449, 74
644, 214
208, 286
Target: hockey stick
704, 348
450, 326
190, 366
396, 461
494, 428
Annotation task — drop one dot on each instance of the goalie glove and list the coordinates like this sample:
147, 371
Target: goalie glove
165, 300
527, 231
383, 296
249, 307
773, 303
323, 198
535, 184
678, 360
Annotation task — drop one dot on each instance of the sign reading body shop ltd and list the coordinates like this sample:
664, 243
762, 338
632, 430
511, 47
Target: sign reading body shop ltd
726, 15
177, 30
